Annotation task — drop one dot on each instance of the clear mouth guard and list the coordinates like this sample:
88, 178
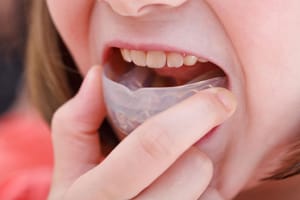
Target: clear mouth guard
130, 100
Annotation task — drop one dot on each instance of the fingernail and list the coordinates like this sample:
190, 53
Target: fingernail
226, 98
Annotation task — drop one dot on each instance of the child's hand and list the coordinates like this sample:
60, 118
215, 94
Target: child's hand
156, 161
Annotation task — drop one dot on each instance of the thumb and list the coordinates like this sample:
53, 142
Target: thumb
75, 130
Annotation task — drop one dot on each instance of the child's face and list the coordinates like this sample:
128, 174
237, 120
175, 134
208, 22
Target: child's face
257, 44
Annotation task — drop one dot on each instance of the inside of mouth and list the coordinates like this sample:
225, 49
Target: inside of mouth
135, 77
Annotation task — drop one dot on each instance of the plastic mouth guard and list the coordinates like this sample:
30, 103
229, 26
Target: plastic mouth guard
130, 100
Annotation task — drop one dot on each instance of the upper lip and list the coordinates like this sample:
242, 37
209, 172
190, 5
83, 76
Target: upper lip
182, 75
158, 47
207, 39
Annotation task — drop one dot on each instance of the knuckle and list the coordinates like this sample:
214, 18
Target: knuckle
67, 119
59, 117
156, 141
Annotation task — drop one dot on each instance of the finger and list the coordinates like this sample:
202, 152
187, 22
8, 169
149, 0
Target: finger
211, 194
152, 148
74, 130
186, 179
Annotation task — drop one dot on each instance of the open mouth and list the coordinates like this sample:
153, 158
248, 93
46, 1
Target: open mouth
139, 84
167, 69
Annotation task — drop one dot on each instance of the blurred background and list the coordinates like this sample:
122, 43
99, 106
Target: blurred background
12, 47
25, 145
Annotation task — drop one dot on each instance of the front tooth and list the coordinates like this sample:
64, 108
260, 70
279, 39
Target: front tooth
156, 59
203, 60
175, 60
126, 55
138, 57
190, 60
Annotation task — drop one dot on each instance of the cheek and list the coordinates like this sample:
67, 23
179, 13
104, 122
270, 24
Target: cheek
72, 20
266, 38
260, 28
265, 34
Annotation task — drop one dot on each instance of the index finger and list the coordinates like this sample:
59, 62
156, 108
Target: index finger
75, 130
150, 150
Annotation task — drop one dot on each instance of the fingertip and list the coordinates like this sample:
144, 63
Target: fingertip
95, 69
91, 79
226, 98
87, 106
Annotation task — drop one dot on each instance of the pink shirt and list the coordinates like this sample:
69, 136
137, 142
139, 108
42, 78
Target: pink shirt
26, 158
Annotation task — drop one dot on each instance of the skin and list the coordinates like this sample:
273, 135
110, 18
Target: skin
261, 60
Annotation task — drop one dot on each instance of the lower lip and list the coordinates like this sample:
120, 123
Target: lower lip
207, 137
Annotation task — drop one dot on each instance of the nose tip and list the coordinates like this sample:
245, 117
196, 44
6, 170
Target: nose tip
135, 7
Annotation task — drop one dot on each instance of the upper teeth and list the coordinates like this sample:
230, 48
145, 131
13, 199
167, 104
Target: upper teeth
159, 59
